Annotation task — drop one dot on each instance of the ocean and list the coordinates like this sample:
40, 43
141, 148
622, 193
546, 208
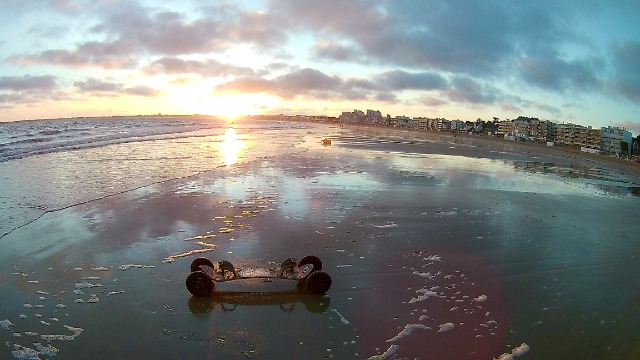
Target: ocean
48, 165
438, 247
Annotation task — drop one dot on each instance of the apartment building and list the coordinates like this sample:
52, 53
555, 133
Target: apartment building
588, 137
373, 117
610, 138
543, 130
505, 127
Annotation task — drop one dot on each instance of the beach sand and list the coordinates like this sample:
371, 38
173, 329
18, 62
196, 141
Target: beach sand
437, 249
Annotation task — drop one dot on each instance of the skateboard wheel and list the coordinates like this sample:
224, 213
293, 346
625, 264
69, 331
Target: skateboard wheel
195, 264
199, 284
310, 259
318, 282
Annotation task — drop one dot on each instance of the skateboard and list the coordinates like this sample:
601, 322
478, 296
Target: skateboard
307, 272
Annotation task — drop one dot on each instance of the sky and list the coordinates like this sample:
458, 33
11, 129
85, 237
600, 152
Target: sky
574, 61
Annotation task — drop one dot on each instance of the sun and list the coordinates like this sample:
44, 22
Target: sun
233, 106
229, 107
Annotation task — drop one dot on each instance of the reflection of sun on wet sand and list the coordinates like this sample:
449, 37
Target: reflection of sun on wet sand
231, 147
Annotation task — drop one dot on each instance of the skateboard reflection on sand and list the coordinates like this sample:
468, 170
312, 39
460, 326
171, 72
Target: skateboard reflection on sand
287, 300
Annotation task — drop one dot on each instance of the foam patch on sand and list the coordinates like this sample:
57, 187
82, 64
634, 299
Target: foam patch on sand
134, 266
446, 327
425, 294
45, 324
391, 351
516, 352
408, 329
5, 324
387, 226
342, 319
450, 302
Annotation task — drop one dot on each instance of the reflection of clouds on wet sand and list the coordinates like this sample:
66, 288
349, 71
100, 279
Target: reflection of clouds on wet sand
41, 324
428, 307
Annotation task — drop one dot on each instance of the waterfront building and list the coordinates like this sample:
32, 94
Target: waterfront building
403, 121
443, 125
457, 125
611, 137
355, 117
567, 134
505, 127
589, 137
373, 117
543, 130
521, 127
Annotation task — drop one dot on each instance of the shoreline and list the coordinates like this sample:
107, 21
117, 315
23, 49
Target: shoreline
571, 154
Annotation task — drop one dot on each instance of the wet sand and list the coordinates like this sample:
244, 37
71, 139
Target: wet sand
436, 249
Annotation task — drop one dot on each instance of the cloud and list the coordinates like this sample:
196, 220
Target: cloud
432, 101
205, 68
465, 89
301, 83
559, 75
98, 87
28, 89
402, 80
129, 31
28, 82
330, 50
632, 126
314, 84
466, 37
175, 33
105, 55
626, 77
95, 85
145, 91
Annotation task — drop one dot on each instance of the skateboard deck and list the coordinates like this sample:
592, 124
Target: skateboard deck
219, 274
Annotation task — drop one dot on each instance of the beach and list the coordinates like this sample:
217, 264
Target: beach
438, 247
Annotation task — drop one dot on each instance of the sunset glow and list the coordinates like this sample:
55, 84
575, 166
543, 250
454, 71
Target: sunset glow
565, 61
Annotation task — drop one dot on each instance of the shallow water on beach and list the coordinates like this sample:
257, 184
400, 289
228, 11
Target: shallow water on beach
436, 250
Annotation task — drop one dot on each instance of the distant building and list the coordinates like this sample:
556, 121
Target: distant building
521, 127
505, 127
543, 130
457, 125
403, 121
611, 137
589, 137
443, 125
373, 117
567, 134
355, 117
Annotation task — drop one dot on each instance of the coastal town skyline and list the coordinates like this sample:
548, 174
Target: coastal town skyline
562, 61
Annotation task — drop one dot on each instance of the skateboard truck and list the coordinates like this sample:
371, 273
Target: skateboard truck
287, 265
224, 265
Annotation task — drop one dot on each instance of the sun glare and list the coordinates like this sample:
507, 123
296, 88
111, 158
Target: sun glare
230, 147
232, 106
